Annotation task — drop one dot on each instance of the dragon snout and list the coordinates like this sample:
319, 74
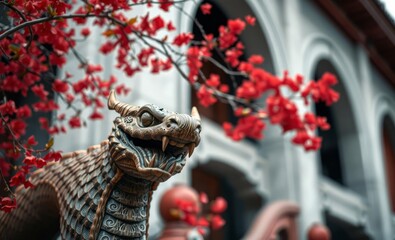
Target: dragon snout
184, 123
182, 131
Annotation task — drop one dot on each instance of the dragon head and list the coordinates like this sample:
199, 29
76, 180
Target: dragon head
151, 143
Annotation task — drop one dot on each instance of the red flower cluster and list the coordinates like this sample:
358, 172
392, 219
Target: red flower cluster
279, 109
250, 126
321, 90
21, 178
205, 96
183, 39
189, 212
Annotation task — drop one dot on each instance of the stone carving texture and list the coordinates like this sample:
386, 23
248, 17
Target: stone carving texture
105, 191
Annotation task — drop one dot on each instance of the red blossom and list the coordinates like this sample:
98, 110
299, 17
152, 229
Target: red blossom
308, 141
75, 122
7, 108
245, 67
202, 222
165, 4
256, 59
232, 56
224, 88
247, 126
91, 68
69, 98
236, 26
190, 212
61, 117
40, 91
187, 206
205, 96
206, 8
7, 204
247, 90
226, 38
47, 106
203, 198
284, 112
107, 47
31, 141
219, 205
170, 26
31, 160
122, 89
18, 127
213, 81
322, 123
23, 112
191, 219
217, 222
321, 90
194, 62
85, 32
182, 39
96, 115
57, 59
20, 178
53, 156
60, 86
250, 20
43, 122
157, 23
144, 55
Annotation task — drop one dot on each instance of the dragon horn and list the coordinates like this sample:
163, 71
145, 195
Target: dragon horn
122, 108
195, 113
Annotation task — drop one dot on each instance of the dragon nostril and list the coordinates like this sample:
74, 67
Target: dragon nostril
172, 121
198, 128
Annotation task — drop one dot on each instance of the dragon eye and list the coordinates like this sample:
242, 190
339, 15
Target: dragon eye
146, 119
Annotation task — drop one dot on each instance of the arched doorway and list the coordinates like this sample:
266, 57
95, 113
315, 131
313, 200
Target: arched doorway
218, 179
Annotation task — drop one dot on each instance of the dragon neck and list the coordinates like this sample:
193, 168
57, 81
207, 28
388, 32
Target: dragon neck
125, 211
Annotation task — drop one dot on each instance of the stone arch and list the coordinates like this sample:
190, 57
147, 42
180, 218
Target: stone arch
316, 50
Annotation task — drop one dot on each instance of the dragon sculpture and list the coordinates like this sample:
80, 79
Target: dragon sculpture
105, 191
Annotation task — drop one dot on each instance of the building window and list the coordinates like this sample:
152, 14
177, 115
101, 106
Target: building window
330, 156
340, 154
331, 165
